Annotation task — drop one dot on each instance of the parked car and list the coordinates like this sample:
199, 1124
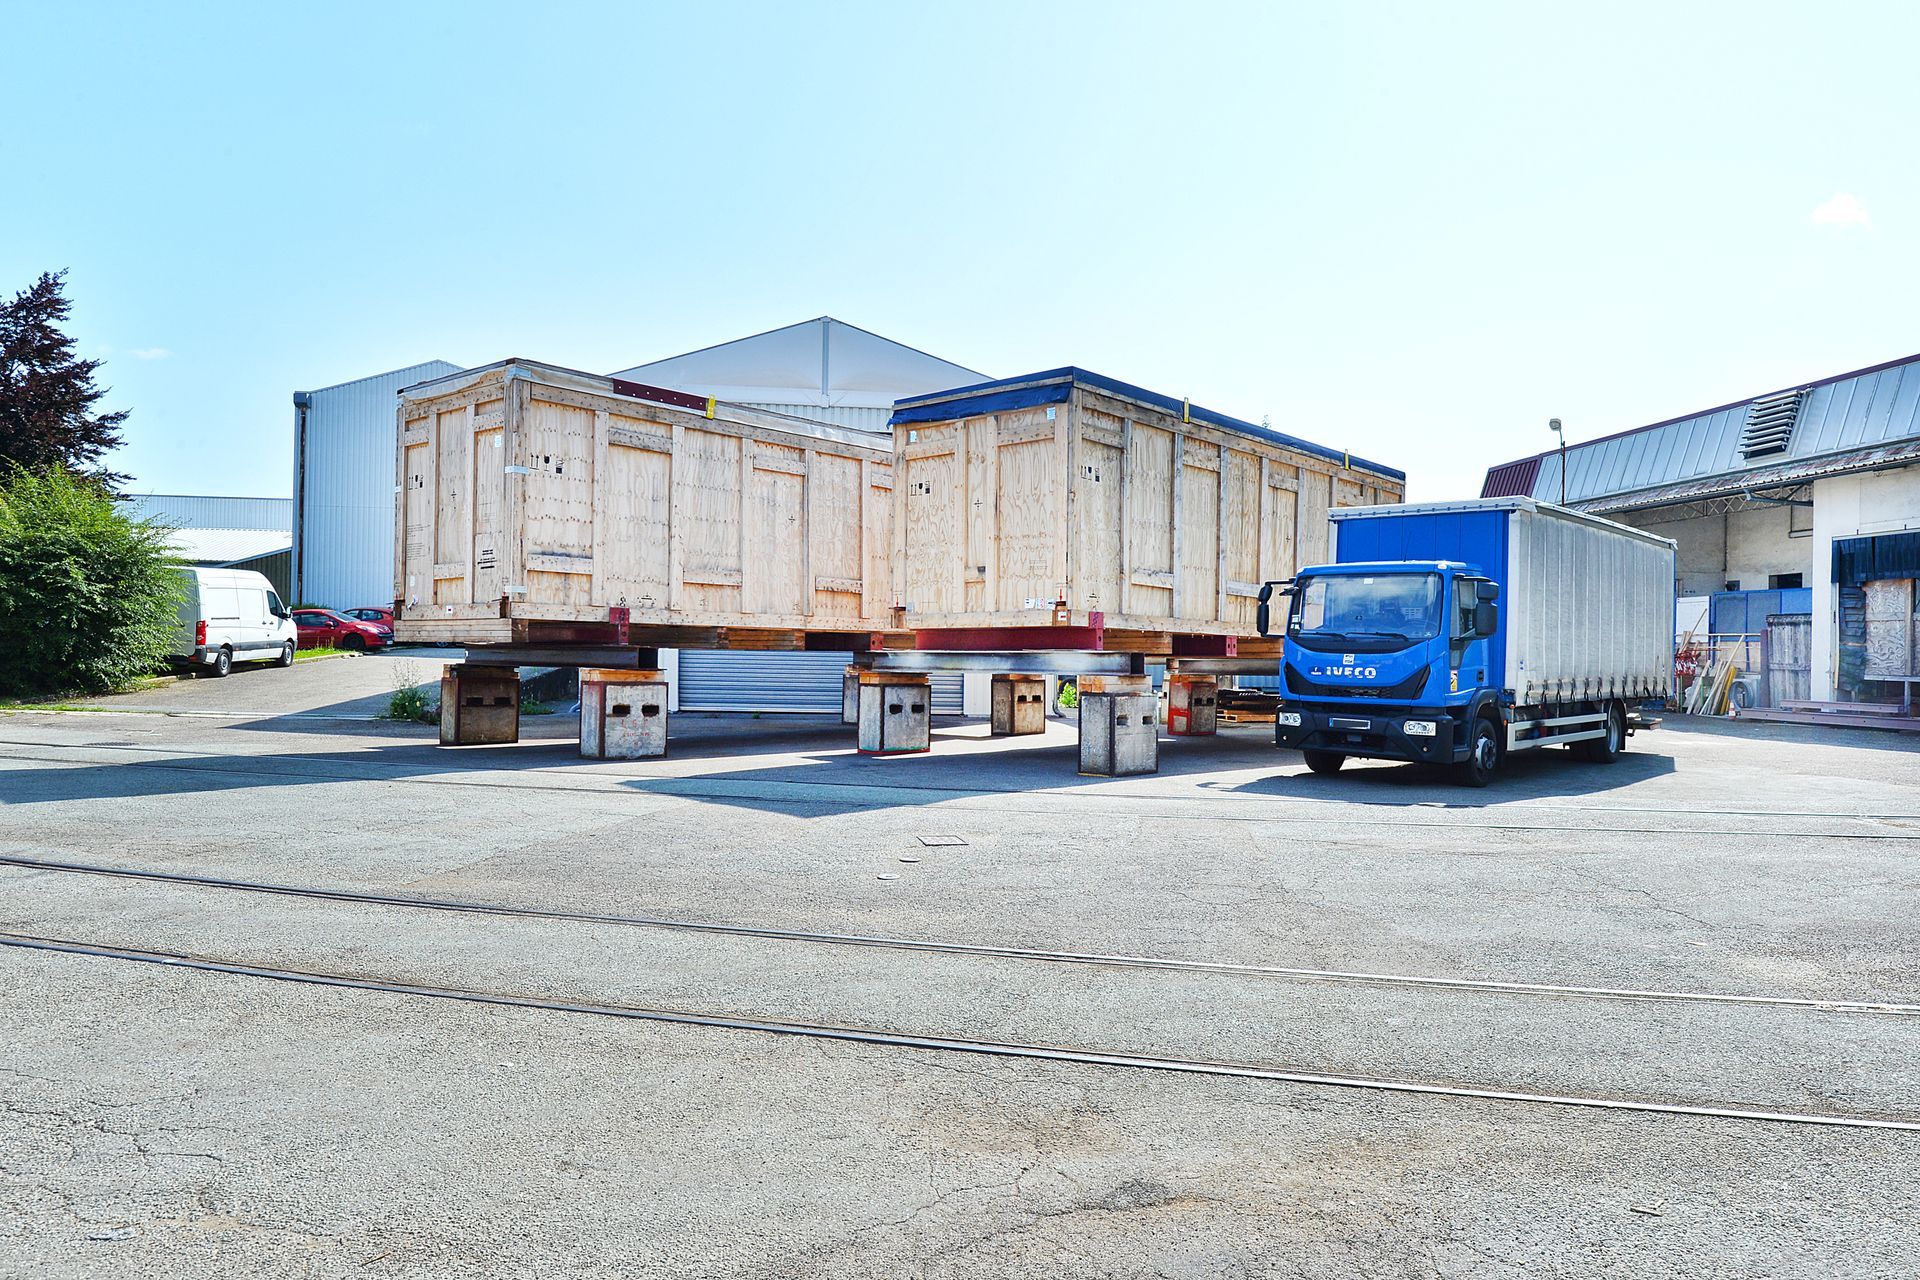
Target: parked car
229, 616
379, 614
323, 627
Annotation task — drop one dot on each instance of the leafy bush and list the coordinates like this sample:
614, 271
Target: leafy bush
1069, 696
89, 597
410, 703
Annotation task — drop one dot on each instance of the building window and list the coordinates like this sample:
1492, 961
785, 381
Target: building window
1785, 581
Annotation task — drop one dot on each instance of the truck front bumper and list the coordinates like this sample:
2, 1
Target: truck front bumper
1375, 733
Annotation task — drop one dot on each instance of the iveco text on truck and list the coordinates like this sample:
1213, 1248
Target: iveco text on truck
1454, 633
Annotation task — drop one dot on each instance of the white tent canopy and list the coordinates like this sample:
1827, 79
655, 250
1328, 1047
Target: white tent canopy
823, 369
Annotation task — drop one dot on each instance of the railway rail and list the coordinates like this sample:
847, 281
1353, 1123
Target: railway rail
949, 947
950, 1044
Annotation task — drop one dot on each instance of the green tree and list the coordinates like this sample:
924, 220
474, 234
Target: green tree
47, 395
88, 595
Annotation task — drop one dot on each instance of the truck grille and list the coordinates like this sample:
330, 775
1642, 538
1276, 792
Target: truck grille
1412, 687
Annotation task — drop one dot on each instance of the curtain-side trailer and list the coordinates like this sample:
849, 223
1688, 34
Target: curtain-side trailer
1455, 633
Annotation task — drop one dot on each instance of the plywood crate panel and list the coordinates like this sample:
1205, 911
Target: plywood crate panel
535, 493
1068, 485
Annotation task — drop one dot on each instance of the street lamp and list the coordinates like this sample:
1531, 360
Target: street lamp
1553, 425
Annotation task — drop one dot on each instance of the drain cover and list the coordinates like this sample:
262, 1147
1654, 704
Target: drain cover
937, 842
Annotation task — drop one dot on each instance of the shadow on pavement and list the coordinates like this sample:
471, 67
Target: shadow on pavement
1549, 773
816, 771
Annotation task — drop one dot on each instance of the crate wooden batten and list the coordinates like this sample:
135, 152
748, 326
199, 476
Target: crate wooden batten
712, 524
1051, 499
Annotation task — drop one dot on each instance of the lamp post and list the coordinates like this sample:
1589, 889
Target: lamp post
1553, 425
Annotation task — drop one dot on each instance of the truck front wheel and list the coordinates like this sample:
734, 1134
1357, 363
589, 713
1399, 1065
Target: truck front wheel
1324, 761
1483, 755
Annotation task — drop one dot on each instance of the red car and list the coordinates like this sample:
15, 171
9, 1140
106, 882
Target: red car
322, 627
379, 615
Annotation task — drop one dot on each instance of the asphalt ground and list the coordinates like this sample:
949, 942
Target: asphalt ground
162, 1120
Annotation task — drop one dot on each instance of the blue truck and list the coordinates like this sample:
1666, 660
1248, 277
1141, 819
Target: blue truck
1457, 633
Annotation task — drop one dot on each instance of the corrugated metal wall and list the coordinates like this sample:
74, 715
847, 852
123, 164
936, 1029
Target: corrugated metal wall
713, 680
343, 489
277, 568
861, 419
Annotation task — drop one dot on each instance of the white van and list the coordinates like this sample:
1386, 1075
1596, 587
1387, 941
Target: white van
229, 616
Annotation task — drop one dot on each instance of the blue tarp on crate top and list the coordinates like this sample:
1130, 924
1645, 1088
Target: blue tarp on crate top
1053, 386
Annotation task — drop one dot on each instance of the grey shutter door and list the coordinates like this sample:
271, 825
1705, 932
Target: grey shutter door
718, 680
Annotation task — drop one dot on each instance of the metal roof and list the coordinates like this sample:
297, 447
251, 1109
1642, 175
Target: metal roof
411, 373
224, 546
197, 511
1854, 421
820, 363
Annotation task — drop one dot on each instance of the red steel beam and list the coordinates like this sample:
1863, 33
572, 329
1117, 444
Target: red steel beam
1185, 646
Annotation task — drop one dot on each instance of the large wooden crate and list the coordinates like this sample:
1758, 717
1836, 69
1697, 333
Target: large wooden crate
1071, 487
533, 498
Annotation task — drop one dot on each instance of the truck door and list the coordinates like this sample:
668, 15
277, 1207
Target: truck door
1466, 650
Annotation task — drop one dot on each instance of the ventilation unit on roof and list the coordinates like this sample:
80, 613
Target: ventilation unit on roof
1769, 428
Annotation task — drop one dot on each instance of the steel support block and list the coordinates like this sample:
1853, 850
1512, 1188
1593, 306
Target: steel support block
1118, 737
479, 705
1018, 705
895, 713
1193, 705
623, 714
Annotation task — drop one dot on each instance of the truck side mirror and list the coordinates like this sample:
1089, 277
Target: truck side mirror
1486, 591
1486, 618
1263, 616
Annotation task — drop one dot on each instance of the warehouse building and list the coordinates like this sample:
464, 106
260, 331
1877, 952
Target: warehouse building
225, 533
1801, 505
822, 369
343, 473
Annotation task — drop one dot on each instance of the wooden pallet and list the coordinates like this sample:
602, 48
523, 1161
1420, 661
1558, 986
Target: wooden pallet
1831, 719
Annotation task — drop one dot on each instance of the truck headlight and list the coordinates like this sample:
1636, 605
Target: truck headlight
1287, 719
1419, 728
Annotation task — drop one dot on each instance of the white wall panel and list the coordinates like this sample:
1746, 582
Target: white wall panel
343, 494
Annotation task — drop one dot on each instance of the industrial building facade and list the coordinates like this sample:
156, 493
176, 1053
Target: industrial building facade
225, 533
1811, 491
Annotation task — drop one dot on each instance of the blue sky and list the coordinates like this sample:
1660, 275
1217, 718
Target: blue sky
1416, 231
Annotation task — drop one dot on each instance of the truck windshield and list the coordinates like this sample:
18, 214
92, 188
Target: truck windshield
1354, 609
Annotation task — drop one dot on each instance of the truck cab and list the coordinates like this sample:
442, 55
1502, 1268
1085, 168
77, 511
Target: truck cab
1388, 659
1458, 633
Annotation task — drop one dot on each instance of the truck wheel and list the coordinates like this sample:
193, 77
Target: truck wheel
1606, 750
1324, 761
1483, 757
222, 662
286, 655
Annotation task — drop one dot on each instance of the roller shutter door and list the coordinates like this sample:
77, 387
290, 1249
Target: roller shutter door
717, 680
